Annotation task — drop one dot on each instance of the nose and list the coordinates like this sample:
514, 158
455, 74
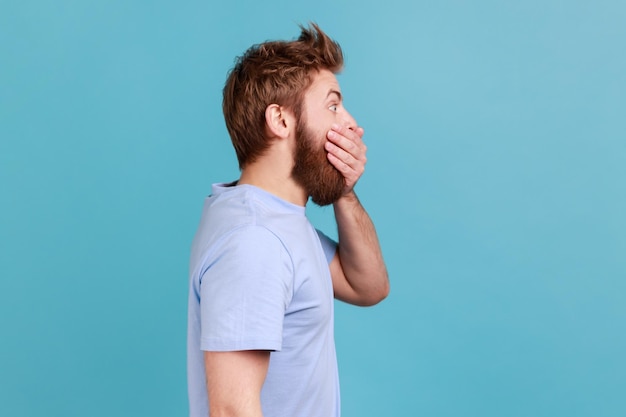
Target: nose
349, 121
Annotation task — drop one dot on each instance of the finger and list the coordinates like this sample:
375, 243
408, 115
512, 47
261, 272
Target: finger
346, 157
354, 146
351, 134
350, 174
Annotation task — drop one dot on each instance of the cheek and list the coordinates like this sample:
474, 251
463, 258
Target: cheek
324, 120
318, 137
318, 125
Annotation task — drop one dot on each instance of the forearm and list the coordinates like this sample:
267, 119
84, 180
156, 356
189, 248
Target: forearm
359, 251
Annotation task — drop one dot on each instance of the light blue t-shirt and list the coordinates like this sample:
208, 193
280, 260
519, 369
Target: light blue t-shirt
259, 280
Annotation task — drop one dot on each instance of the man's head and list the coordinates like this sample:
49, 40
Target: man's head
277, 72
322, 107
311, 169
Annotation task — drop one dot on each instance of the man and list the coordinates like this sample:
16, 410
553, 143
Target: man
262, 279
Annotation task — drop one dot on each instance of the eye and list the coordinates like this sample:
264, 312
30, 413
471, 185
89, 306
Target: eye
333, 108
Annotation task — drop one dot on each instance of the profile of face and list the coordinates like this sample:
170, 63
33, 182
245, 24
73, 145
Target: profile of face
321, 108
312, 170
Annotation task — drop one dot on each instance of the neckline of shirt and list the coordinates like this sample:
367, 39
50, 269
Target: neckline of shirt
265, 196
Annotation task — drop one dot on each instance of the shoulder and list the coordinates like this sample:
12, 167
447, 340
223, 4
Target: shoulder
252, 240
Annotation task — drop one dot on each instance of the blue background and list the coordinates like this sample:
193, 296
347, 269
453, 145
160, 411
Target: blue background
497, 149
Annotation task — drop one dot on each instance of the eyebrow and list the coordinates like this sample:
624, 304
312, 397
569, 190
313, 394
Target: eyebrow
331, 92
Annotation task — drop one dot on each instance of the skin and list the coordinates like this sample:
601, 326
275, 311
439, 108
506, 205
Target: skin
359, 275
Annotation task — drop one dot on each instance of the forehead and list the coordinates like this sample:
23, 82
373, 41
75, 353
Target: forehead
323, 83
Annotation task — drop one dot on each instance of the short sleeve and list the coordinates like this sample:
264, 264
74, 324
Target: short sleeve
328, 245
245, 289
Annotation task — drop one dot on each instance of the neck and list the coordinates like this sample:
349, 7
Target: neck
271, 178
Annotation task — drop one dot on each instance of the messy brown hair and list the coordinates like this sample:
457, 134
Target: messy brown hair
274, 72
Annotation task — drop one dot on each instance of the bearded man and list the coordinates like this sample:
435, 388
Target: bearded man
262, 278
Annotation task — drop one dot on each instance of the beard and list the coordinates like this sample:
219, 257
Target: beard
312, 170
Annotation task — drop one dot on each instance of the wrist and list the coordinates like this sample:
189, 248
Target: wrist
347, 199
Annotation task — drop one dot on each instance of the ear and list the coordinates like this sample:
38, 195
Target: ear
279, 121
